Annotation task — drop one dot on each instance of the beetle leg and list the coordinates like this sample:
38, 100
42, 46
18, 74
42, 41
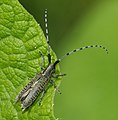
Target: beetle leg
58, 75
52, 82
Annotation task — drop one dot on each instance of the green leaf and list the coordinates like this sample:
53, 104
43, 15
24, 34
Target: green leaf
21, 39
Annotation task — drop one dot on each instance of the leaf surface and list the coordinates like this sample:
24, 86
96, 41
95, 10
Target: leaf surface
21, 39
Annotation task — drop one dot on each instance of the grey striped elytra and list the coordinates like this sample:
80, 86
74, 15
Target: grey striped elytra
38, 85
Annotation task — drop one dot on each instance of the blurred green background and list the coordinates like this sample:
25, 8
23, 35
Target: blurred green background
90, 89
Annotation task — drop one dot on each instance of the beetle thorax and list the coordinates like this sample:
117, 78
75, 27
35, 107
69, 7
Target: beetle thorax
49, 71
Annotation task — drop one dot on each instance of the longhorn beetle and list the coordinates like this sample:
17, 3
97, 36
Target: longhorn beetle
39, 83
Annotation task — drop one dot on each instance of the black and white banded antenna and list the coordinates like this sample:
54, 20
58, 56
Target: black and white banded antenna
80, 49
46, 31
